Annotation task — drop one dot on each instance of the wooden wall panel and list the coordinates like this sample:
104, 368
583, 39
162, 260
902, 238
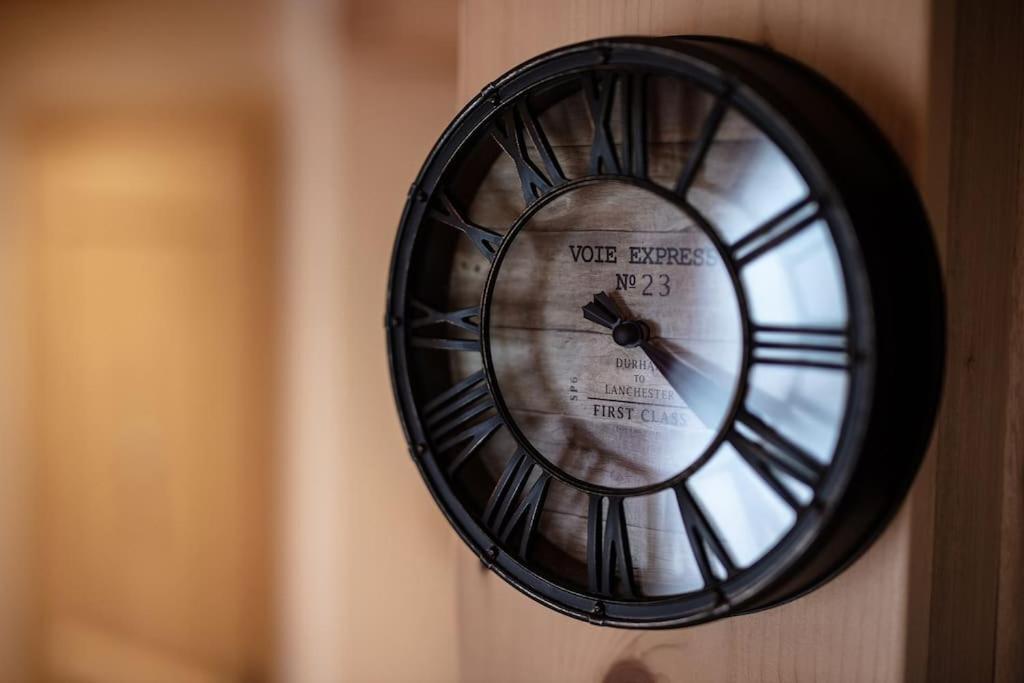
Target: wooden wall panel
1010, 624
399, 70
869, 623
976, 630
369, 591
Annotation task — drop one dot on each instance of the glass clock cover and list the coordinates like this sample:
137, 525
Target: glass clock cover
641, 329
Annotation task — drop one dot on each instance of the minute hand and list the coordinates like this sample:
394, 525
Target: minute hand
701, 393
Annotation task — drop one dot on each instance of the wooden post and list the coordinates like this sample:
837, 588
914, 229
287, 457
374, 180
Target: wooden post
883, 619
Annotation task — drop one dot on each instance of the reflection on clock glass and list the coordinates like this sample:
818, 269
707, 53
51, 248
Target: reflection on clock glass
595, 400
665, 317
643, 321
672, 346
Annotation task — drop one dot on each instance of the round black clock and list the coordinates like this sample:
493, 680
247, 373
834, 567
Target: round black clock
666, 327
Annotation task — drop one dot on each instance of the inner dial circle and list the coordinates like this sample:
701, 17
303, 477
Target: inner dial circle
631, 392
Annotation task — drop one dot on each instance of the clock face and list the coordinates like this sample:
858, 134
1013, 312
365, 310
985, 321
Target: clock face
637, 335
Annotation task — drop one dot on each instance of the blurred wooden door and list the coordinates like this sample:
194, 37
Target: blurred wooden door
152, 392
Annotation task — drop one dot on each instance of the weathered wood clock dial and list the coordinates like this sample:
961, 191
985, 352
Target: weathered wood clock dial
666, 329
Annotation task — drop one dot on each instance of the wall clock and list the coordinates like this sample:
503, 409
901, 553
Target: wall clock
666, 326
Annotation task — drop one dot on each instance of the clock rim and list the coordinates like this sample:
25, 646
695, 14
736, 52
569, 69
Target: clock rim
603, 52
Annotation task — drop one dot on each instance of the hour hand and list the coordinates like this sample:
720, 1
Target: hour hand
603, 311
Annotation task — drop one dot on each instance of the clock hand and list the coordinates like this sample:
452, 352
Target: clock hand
702, 394
605, 312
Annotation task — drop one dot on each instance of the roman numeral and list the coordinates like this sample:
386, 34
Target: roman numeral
810, 347
634, 152
456, 418
599, 90
509, 132
483, 239
768, 452
701, 146
703, 539
503, 516
608, 555
463, 319
776, 230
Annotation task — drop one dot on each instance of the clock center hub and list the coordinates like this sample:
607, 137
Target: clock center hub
630, 333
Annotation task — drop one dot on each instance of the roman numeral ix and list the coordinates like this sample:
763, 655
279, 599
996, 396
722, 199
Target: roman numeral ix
466, 319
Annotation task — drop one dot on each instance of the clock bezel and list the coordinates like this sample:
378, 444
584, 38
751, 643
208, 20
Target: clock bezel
780, 564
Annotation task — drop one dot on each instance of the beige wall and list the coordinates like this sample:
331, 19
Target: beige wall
329, 512
368, 588
134, 542
15, 465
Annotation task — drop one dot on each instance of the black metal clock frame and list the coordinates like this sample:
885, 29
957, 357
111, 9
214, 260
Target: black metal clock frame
894, 337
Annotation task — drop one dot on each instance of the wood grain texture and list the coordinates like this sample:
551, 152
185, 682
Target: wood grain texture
860, 626
976, 593
1009, 654
397, 62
